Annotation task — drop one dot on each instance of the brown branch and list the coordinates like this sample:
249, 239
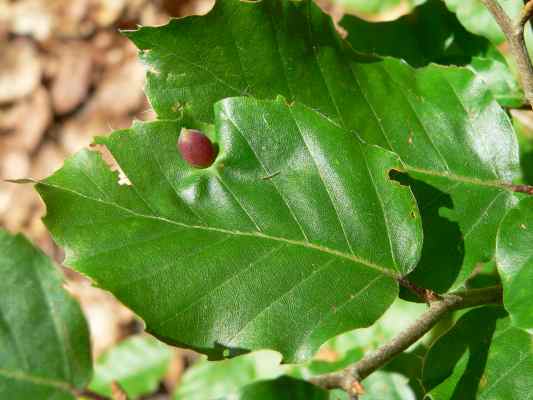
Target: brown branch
522, 189
514, 33
349, 378
426, 295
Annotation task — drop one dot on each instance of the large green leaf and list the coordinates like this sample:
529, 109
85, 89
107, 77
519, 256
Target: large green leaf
431, 33
482, 357
44, 340
441, 121
138, 364
514, 257
296, 226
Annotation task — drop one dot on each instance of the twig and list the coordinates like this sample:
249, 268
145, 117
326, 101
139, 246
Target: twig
349, 378
117, 393
514, 33
526, 13
522, 189
427, 295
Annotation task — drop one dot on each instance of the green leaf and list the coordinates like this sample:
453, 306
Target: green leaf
218, 379
525, 141
514, 258
477, 18
138, 364
296, 225
387, 386
431, 33
44, 340
483, 357
441, 121
283, 388
409, 364
370, 7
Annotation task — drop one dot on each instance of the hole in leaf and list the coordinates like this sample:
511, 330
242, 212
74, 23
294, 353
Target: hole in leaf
111, 163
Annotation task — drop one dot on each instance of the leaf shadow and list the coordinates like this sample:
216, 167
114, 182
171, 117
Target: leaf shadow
526, 163
216, 353
443, 248
449, 353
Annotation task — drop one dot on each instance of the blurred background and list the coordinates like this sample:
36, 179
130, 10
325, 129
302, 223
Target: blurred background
66, 75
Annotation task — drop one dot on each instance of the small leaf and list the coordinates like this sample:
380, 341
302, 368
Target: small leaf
218, 379
475, 16
138, 364
211, 259
514, 258
44, 340
483, 357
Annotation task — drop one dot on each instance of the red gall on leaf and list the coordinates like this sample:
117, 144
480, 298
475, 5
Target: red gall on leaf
196, 148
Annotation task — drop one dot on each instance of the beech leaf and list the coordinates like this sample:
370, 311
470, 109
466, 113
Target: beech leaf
442, 121
44, 340
295, 234
514, 259
494, 363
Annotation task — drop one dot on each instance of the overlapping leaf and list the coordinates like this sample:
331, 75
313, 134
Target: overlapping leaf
432, 33
44, 340
138, 364
476, 17
295, 234
514, 257
482, 357
441, 121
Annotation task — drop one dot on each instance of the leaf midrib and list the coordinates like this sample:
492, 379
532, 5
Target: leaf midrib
383, 270
460, 178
